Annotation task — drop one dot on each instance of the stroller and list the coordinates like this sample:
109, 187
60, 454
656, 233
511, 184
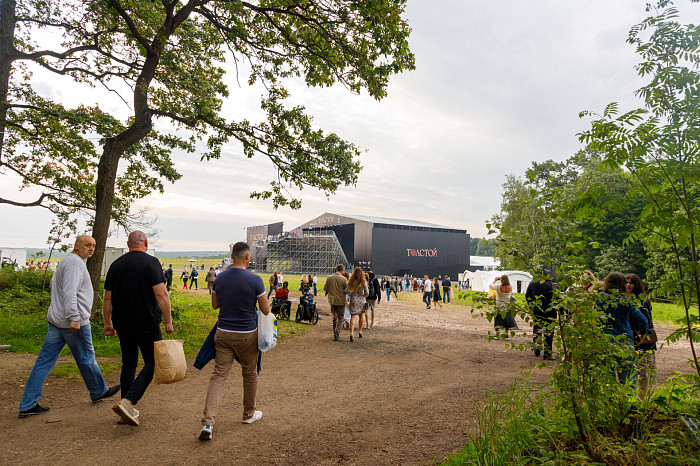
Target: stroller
281, 308
307, 307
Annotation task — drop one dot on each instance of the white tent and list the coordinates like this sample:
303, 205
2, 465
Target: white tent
484, 262
480, 280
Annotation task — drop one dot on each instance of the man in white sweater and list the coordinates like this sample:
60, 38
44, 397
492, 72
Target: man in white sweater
69, 324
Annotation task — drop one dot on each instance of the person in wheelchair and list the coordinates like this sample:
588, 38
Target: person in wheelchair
281, 303
307, 308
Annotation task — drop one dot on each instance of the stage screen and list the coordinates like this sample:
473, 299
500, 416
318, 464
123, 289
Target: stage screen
416, 252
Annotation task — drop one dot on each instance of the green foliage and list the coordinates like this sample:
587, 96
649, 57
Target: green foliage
24, 279
659, 145
636, 186
561, 202
521, 427
482, 247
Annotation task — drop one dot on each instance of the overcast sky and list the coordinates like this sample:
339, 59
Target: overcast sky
497, 85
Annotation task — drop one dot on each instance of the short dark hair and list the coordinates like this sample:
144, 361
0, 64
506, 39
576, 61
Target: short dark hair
239, 250
340, 268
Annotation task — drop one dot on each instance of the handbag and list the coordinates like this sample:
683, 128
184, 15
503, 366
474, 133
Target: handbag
171, 365
650, 337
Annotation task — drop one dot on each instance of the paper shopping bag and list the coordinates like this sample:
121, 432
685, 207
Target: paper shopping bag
171, 365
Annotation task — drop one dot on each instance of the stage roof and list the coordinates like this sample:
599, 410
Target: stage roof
397, 221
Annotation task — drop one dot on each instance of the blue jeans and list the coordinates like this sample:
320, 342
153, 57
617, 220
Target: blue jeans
427, 296
446, 294
314, 289
388, 295
80, 344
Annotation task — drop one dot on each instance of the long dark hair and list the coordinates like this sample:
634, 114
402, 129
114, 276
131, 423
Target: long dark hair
615, 281
638, 286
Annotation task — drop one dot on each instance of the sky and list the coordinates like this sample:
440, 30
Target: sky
497, 85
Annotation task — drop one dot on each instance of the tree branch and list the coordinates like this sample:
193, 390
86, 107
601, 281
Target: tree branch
132, 26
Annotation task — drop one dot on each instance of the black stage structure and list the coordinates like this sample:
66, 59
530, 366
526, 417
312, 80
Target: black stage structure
388, 246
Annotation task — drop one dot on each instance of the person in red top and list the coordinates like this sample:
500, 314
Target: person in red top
282, 294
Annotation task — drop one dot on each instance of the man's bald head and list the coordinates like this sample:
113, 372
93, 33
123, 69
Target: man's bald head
137, 241
84, 246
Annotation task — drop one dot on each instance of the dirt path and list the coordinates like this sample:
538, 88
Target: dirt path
405, 393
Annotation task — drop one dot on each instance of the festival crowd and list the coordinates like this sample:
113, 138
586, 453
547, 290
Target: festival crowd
136, 301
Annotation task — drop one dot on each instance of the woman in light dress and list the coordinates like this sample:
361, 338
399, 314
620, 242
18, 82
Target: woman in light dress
358, 290
504, 295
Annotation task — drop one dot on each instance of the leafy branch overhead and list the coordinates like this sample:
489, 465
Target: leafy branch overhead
166, 61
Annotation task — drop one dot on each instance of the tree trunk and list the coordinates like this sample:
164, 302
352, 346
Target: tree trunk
7, 36
104, 196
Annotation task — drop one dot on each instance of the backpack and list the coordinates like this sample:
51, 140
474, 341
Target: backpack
372, 292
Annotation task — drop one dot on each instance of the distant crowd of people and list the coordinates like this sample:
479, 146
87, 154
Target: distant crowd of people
192, 275
41, 265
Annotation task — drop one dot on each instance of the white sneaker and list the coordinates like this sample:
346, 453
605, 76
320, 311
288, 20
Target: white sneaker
126, 410
205, 433
257, 415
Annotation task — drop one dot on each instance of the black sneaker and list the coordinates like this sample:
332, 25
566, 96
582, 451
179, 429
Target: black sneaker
37, 409
110, 392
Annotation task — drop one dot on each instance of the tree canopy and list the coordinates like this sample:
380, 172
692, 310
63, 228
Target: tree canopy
167, 61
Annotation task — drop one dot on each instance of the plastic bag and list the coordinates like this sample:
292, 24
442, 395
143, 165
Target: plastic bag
267, 332
171, 365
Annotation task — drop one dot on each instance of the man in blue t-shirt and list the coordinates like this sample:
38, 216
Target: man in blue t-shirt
236, 293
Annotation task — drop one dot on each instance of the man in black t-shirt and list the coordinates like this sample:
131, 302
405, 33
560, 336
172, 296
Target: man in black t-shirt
135, 298
446, 288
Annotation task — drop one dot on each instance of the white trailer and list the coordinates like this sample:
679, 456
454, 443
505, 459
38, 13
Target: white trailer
17, 258
112, 254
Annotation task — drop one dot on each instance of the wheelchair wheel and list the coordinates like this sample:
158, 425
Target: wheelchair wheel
314, 315
299, 312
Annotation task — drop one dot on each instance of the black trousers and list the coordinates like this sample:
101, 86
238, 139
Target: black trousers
542, 332
131, 341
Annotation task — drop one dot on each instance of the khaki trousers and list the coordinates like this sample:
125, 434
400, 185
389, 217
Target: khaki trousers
228, 345
338, 315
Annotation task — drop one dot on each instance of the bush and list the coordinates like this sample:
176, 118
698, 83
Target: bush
523, 426
31, 280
